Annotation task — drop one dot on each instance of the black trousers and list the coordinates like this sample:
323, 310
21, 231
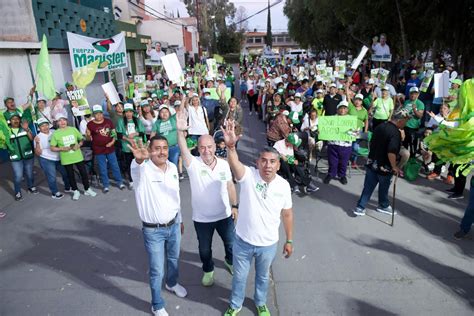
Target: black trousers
459, 181
127, 161
289, 172
253, 102
81, 167
411, 140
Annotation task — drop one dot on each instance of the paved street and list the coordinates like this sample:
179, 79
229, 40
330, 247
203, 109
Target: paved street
87, 257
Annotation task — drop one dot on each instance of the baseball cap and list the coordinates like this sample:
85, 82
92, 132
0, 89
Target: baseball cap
165, 94
284, 76
298, 95
153, 95
177, 103
41, 99
294, 116
285, 113
370, 81
342, 103
332, 85
42, 121
457, 81
384, 87
206, 90
128, 107
60, 116
163, 106
413, 72
96, 108
281, 91
359, 96
319, 91
144, 103
294, 139
414, 90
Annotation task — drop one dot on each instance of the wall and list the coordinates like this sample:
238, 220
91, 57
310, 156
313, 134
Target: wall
162, 31
14, 11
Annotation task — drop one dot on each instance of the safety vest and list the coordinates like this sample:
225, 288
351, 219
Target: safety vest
20, 146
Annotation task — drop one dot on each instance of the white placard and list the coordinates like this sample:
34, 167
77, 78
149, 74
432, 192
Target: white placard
172, 67
359, 58
441, 84
111, 92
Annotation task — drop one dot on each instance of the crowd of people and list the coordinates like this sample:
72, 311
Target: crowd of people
149, 141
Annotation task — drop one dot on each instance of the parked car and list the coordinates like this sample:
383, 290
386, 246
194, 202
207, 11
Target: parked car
292, 54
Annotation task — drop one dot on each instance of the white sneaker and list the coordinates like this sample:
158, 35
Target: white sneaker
385, 210
76, 195
130, 186
178, 290
160, 312
90, 192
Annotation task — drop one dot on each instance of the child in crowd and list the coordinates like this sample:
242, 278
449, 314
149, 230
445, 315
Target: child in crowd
221, 150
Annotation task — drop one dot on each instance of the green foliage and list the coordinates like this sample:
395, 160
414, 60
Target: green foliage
229, 41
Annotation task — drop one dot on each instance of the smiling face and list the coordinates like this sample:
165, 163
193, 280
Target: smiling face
342, 110
15, 121
10, 104
268, 164
62, 123
158, 150
232, 103
129, 115
207, 148
164, 114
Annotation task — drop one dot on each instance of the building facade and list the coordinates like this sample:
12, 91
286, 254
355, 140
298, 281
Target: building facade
254, 42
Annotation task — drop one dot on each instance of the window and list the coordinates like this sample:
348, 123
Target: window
258, 39
250, 40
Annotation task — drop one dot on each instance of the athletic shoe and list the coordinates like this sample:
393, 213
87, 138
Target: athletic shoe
461, 234
68, 190
359, 211
295, 190
90, 192
229, 267
311, 188
250, 113
208, 278
449, 180
232, 312
263, 310
130, 186
76, 195
178, 290
433, 176
33, 190
121, 186
106, 190
57, 196
159, 312
327, 179
385, 210
18, 197
181, 176
455, 196
343, 180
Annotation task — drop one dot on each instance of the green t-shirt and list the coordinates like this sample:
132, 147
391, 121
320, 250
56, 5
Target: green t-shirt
413, 122
167, 129
127, 130
362, 115
65, 137
318, 106
383, 108
453, 103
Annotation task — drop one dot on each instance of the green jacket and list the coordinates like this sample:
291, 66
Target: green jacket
20, 148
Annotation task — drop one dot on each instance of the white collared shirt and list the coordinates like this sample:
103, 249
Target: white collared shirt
260, 208
209, 194
156, 192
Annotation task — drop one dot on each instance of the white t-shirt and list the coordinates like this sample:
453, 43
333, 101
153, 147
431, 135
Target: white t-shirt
46, 151
154, 55
148, 124
381, 50
296, 107
156, 192
197, 121
209, 194
391, 90
260, 208
284, 150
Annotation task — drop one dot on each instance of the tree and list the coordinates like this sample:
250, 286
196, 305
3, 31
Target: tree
241, 14
268, 37
229, 41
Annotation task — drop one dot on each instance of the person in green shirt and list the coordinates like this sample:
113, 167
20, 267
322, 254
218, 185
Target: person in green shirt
318, 102
357, 109
21, 155
416, 109
129, 131
166, 126
382, 108
12, 109
67, 141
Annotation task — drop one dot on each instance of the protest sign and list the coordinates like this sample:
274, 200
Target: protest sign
359, 58
382, 58
429, 66
111, 92
211, 67
215, 96
441, 84
427, 80
111, 52
337, 128
341, 67
79, 103
140, 85
383, 75
173, 67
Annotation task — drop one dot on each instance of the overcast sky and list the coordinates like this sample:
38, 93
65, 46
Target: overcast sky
279, 20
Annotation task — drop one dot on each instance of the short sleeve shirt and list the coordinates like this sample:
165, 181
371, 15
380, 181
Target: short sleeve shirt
65, 137
361, 114
413, 122
383, 108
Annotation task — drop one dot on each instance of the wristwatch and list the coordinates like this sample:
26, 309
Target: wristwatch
235, 206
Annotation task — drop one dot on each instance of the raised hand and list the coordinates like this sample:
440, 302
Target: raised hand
181, 121
139, 150
230, 138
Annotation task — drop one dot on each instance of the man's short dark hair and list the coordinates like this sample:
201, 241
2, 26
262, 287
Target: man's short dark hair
268, 149
156, 138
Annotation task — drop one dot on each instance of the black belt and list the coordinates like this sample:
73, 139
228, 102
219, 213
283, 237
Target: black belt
150, 225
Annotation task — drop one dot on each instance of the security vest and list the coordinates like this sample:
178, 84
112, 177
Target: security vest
21, 148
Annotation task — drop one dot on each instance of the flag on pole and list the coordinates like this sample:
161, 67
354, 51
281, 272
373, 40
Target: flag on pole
84, 75
219, 59
44, 74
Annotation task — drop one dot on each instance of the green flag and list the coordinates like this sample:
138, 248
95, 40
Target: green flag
84, 75
44, 74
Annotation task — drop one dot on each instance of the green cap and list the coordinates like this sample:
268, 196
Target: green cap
294, 139
191, 143
457, 81
295, 117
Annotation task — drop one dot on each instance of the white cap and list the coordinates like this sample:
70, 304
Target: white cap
342, 103
359, 96
277, 80
285, 76
41, 99
206, 90
177, 103
209, 79
97, 108
414, 89
60, 116
319, 91
298, 95
163, 106
413, 72
42, 121
128, 107
286, 113
370, 81
153, 95
332, 85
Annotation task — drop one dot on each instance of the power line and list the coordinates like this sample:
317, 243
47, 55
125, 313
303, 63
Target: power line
258, 12
156, 16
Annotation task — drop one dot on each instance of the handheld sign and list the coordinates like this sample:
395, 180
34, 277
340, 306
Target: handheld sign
111, 92
337, 128
359, 58
441, 84
79, 103
172, 67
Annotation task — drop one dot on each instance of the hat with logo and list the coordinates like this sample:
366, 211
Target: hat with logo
96, 108
294, 139
414, 90
128, 107
295, 117
342, 103
42, 121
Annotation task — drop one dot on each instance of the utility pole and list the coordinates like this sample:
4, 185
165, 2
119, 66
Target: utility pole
198, 28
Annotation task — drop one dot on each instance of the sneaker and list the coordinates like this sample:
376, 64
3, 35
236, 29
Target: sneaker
385, 210
130, 186
178, 290
263, 310
33, 190
327, 179
229, 267
208, 278
311, 188
159, 312
250, 113
76, 195
105, 190
90, 192
57, 196
181, 177
359, 211
433, 176
343, 180
449, 180
68, 190
121, 186
232, 312
18, 197
455, 196
295, 190
461, 234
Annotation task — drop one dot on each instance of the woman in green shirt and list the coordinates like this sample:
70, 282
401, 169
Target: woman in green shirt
165, 126
129, 130
67, 141
357, 109
382, 108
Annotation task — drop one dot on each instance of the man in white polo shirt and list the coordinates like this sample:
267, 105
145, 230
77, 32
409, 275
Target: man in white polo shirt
265, 198
213, 198
156, 187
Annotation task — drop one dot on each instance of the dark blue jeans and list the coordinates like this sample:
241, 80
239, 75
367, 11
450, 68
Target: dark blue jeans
468, 217
205, 231
372, 178
22, 168
49, 167
105, 161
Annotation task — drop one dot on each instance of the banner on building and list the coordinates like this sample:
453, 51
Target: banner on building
111, 52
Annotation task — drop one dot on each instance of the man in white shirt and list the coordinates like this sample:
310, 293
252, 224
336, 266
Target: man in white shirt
213, 198
155, 54
381, 48
156, 187
265, 197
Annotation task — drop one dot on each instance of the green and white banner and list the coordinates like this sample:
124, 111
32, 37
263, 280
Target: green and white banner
111, 52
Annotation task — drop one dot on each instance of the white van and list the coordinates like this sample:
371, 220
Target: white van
293, 53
